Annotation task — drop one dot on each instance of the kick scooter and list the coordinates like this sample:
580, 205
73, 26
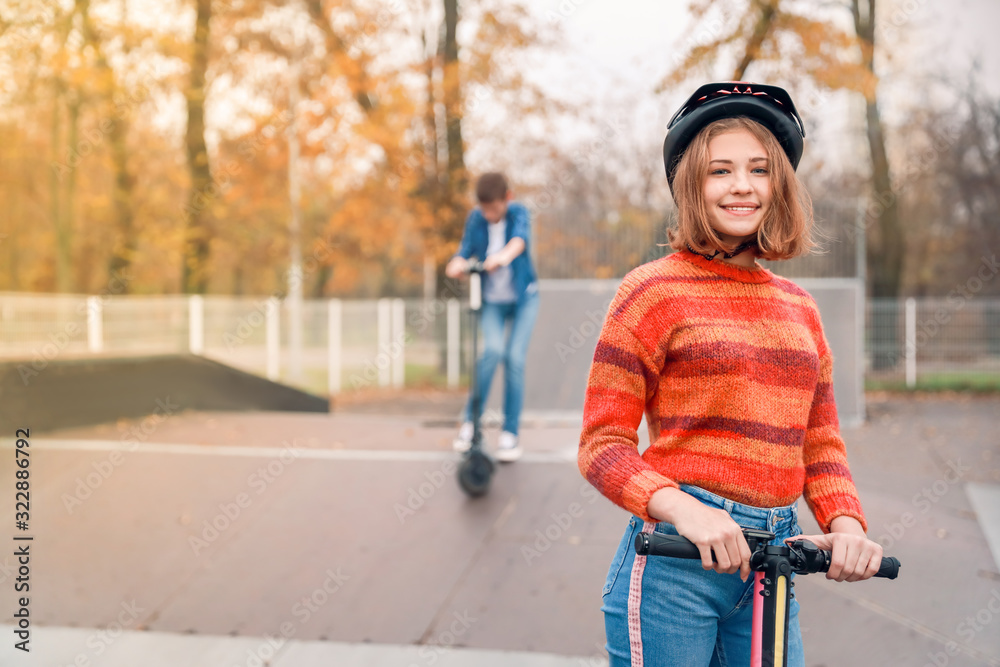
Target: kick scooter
476, 469
773, 566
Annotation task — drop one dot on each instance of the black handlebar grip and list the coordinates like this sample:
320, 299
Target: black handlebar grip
657, 544
889, 568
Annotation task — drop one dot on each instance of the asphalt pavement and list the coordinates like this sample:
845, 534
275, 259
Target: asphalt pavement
343, 539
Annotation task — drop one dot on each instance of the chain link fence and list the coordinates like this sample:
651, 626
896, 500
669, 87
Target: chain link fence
933, 343
836, 255
579, 248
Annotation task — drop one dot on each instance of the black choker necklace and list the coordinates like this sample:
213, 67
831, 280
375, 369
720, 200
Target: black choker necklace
728, 255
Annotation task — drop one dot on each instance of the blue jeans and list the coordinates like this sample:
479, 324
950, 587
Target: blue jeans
493, 320
688, 616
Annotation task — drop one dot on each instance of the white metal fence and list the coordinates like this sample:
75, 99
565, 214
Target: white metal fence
933, 340
346, 345
349, 345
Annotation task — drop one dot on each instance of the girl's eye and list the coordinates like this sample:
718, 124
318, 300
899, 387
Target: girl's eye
719, 171
760, 170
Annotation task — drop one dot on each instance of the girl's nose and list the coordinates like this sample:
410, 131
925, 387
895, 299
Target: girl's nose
741, 183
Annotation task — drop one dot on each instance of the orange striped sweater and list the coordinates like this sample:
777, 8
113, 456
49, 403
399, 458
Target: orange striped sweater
734, 374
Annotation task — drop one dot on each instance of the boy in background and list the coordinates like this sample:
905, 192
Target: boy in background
498, 232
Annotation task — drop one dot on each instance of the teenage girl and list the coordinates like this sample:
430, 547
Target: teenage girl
730, 365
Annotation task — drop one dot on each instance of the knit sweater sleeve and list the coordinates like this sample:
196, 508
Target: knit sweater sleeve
829, 488
623, 374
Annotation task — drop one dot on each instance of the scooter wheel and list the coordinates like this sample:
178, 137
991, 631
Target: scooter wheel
475, 473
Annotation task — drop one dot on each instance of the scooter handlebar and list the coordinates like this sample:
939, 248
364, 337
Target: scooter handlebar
807, 556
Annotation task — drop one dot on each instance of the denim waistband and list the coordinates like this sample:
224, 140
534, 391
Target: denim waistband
747, 516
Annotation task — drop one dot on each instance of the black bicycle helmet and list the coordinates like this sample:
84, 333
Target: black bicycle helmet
770, 106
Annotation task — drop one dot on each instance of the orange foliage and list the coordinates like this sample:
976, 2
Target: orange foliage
371, 182
799, 44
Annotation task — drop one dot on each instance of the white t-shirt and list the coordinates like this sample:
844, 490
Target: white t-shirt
499, 284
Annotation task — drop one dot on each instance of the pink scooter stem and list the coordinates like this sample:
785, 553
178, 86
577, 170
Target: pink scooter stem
758, 619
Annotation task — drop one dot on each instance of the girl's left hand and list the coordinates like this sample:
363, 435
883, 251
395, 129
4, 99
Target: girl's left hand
853, 557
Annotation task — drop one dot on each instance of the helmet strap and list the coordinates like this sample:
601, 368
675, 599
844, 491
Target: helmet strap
728, 255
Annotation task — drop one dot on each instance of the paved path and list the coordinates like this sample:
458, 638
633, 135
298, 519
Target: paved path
344, 538
131, 648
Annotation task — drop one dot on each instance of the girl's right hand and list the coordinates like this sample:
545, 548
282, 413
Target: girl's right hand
709, 528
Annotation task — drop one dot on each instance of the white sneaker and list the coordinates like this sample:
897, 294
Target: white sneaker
464, 440
508, 448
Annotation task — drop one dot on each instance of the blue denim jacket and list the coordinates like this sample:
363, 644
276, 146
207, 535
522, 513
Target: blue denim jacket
477, 237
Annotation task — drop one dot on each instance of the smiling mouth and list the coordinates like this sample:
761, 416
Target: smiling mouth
740, 210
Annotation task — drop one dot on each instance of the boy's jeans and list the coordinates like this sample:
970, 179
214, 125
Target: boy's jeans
689, 616
493, 321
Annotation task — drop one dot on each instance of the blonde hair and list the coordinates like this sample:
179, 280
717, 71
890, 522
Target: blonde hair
785, 231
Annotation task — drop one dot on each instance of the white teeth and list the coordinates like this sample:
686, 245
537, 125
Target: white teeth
740, 208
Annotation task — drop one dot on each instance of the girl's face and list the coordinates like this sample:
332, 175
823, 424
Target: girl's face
737, 187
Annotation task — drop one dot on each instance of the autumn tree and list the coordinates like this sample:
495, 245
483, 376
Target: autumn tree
455, 181
114, 110
385, 134
420, 130
73, 97
197, 233
885, 254
63, 175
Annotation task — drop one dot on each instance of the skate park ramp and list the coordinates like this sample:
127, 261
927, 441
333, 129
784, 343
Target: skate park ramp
570, 318
63, 393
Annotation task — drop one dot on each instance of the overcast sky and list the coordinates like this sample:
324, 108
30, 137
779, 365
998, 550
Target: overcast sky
621, 50
640, 36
